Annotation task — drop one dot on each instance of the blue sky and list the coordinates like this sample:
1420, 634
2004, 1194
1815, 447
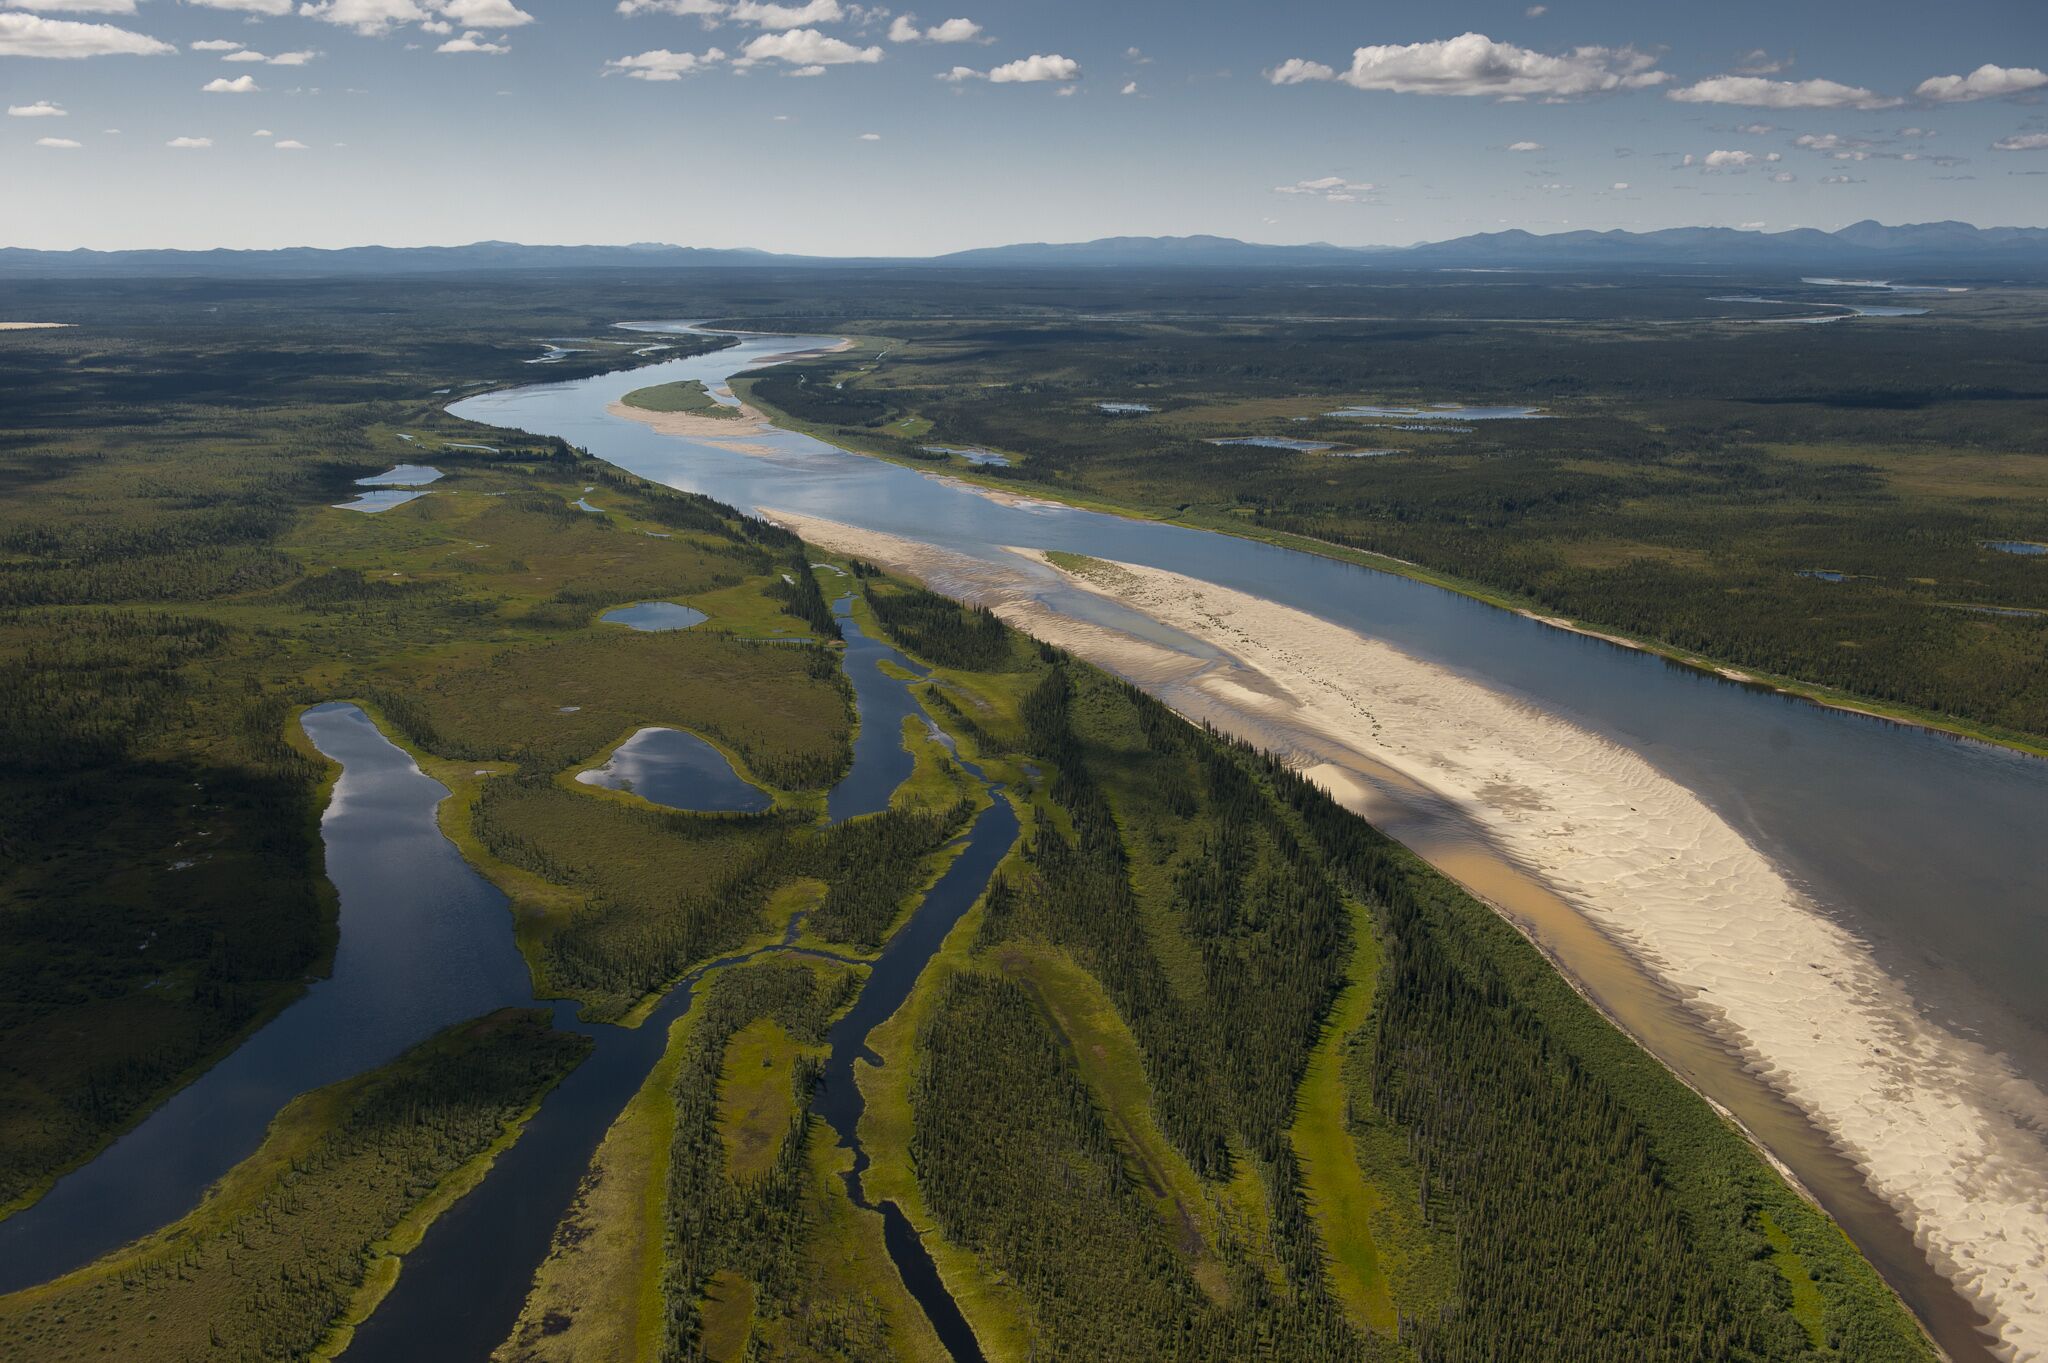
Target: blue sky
829, 127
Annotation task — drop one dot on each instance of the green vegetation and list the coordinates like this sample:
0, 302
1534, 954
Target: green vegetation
686, 396
300, 1239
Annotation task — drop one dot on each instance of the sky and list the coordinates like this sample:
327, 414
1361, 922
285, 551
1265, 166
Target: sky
832, 128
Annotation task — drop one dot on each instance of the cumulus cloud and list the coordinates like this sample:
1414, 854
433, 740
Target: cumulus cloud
1037, 67
59, 143
42, 108
2022, 142
1330, 188
1728, 160
1296, 70
1757, 129
775, 16
189, 143
1757, 93
1525, 146
1474, 64
73, 6
371, 18
1130, 88
240, 85
31, 35
484, 13
870, 137
1840, 180
1535, 11
903, 29
215, 45
1986, 82
662, 64
1783, 177
1619, 185
709, 11
272, 8
290, 144
472, 41
805, 47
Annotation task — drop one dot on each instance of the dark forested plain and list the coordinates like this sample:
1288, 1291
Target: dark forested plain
1210, 1070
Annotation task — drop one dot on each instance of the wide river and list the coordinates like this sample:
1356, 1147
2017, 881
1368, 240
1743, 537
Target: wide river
1925, 849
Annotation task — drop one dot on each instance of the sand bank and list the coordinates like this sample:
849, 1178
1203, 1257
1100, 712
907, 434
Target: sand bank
748, 433
1941, 1129
33, 326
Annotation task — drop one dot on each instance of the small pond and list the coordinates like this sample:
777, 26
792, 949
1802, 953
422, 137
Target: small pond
1824, 574
1126, 408
1276, 442
972, 454
2026, 547
654, 616
679, 770
406, 475
1442, 411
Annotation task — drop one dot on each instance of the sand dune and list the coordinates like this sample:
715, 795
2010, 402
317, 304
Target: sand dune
1943, 1130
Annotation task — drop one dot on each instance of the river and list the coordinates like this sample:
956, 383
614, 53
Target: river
1922, 847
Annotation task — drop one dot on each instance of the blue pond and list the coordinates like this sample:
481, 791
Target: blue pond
679, 770
1446, 411
392, 485
654, 616
2027, 547
973, 454
1276, 442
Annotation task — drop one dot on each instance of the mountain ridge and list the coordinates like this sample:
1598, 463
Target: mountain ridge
1864, 243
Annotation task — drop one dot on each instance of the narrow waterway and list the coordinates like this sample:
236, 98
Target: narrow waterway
425, 942
484, 1251
1923, 848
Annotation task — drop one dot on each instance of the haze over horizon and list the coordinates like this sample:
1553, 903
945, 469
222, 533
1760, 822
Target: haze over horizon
832, 128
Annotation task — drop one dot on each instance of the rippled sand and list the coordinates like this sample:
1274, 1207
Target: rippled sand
1943, 1130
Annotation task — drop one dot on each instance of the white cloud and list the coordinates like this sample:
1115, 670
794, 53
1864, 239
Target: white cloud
1986, 82
1783, 177
263, 132
1130, 88
1822, 141
274, 8
1037, 67
189, 143
1330, 188
240, 85
30, 35
1525, 146
247, 54
2022, 142
1535, 11
1753, 226
805, 72
1757, 129
472, 41
215, 45
709, 11
1839, 180
1727, 160
870, 137
74, 6
662, 64
495, 14
1758, 93
59, 143
805, 47
1474, 64
903, 29
290, 144
1296, 70
768, 15
371, 18
42, 108
1619, 184
299, 58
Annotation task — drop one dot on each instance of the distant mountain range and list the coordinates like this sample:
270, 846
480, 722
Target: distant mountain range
1863, 245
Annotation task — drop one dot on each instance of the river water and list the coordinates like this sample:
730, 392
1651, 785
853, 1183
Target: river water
1924, 847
